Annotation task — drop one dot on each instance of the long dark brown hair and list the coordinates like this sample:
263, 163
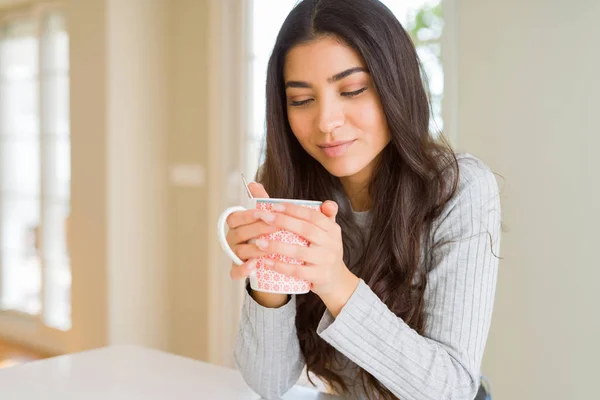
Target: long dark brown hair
410, 184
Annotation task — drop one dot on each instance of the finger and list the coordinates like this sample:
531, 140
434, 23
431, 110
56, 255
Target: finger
242, 271
240, 218
302, 228
316, 217
248, 251
257, 190
330, 209
254, 230
309, 255
304, 272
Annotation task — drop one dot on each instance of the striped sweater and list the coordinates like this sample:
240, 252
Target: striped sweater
444, 362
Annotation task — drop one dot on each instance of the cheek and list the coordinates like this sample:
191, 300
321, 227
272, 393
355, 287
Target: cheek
369, 118
301, 126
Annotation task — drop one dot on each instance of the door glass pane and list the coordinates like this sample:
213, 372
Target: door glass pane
58, 273
20, 270
57, 168
21, 279
18, 102
56, 171
55, 91
267, 18
18, 78
20, 163
424, 22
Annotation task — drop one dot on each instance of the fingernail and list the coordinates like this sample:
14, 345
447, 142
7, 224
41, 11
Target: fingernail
251, 265
278, 207
262, 244
267, 217
268, 262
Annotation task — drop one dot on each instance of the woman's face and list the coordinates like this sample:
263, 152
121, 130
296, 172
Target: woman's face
333, 108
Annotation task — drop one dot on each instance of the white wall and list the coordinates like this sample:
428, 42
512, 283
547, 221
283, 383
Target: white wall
138, 111
528, 104
188, 143
119, 122
139, 104
89, 258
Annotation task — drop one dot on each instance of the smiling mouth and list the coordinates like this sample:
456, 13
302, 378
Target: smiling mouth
337, 148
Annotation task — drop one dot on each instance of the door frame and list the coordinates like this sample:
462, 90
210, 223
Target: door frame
227, 127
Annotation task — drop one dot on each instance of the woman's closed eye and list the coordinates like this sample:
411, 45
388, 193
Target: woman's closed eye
299, 103
354, 93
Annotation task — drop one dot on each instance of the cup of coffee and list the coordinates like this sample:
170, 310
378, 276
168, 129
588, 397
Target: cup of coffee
263, 279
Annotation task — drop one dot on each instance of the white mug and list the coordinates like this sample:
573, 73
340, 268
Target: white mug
263, 279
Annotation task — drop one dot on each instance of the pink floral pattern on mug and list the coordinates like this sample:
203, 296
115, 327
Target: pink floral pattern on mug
274, 282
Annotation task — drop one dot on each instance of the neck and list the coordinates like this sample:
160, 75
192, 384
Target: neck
356, 188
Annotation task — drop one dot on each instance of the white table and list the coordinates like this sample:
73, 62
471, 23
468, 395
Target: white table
129, 373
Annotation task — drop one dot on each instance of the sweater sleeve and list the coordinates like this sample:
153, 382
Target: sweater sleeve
443, 363
267, 351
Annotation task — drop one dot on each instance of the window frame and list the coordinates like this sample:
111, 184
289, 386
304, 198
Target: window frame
17, 326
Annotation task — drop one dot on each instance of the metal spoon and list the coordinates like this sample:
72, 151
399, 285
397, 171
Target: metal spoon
246, 186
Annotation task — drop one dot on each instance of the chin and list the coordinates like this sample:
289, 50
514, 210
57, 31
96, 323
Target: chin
342, 168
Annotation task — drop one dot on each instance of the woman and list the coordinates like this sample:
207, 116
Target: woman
403, 253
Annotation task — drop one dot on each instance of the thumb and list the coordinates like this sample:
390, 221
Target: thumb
257, 190
330, 209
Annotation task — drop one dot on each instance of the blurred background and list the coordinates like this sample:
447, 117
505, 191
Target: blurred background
124, 126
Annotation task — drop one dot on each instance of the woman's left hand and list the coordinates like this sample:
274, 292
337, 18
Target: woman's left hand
323, 259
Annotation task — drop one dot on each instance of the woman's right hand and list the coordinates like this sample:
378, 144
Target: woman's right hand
245, 226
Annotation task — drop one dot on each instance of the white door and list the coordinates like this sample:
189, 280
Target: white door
35, 275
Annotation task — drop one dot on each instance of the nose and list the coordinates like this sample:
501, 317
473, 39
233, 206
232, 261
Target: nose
331, 116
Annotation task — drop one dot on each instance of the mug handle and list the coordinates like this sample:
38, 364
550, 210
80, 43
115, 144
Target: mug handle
221, 233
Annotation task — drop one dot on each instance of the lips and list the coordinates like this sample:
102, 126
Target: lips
337, 148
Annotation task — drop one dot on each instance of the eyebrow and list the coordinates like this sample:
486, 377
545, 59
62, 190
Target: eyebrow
332, 79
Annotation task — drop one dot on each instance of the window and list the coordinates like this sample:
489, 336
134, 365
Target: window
421, 18
424, 22
35, 275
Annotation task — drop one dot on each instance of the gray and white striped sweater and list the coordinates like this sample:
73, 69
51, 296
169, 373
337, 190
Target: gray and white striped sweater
444, 362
